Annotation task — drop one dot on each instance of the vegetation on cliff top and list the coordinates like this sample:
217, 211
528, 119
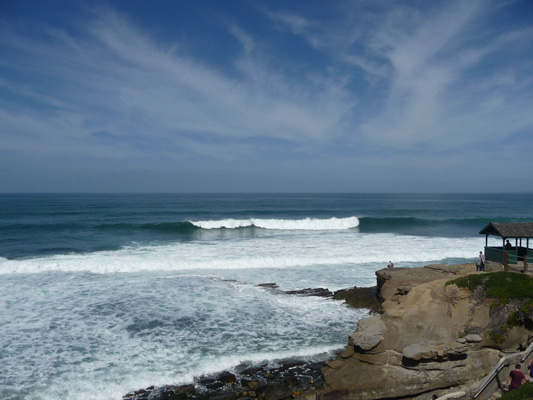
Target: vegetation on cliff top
503, 286
499, 285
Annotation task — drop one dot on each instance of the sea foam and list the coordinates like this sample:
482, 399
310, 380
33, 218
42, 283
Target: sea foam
100, 335
283, 251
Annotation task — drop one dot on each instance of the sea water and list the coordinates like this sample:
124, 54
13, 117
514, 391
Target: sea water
103, 294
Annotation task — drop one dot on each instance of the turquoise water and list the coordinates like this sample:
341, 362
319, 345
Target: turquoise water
103, 294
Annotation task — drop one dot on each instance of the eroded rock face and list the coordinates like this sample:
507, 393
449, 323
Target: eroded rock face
369, 333
442, 352
356, 379
429, 336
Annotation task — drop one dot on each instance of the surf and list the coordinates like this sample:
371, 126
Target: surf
307, 224
284, 251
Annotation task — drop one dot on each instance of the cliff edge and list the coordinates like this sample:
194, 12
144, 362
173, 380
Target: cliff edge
429, 335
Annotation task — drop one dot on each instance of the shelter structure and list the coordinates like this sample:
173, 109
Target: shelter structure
518, 234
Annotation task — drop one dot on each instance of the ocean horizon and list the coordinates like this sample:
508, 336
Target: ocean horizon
104, 293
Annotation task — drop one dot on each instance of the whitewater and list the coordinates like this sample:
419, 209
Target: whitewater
290, 244
104, 294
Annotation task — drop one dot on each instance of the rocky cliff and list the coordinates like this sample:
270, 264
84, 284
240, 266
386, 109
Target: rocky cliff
436, 329
428, 336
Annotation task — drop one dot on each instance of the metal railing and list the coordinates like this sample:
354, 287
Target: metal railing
497, 254
508, 257
504, 362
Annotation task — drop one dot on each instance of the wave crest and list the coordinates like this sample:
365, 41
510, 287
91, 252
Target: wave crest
308, 224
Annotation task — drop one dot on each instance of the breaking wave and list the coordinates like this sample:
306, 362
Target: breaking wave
308, 224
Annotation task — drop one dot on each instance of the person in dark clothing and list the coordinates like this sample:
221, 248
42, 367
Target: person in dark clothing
515, 378
508, 246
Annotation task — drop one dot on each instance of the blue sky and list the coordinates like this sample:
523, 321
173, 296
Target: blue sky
266, 96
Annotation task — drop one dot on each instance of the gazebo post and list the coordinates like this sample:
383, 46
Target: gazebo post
506, 261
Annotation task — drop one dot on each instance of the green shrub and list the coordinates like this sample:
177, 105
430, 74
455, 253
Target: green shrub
498, 335
518, 317
503, 286
524, 392
514, 319
500, 285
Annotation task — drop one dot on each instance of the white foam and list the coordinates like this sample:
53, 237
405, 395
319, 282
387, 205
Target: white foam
93, 332
91, 336
311, 224
217, 364
278, 252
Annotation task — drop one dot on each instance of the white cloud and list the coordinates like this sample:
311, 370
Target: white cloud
433, 97
367, 83
425, 66
112, 77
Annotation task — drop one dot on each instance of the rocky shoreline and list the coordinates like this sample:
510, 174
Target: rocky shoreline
286, 380
425, 335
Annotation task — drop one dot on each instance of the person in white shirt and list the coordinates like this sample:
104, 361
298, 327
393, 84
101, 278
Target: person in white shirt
480, 263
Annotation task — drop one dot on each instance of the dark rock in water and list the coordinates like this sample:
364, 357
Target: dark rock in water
321, 292
315, 366
250, 384
138, 394
226, 377
184, 392
185, 389
214, 385
366, 297
206, 381
289, 364
252, 370
225, 396
169, 392
269, 285
278, 392
288, 380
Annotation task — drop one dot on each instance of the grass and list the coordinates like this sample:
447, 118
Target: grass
500, 285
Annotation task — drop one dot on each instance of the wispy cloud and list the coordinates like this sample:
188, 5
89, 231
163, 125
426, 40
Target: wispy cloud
433, 95
112, 77
426, 67
367, 87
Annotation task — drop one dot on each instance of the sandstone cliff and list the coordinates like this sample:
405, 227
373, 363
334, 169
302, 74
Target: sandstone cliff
428, 336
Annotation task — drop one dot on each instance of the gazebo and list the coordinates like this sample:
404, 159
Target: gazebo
517, 232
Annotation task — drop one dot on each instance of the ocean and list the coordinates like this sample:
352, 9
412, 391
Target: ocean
101, 294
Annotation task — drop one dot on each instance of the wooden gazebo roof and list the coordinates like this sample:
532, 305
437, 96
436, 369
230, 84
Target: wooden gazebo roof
519, 230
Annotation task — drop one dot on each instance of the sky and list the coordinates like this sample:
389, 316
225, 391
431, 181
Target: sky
266, 96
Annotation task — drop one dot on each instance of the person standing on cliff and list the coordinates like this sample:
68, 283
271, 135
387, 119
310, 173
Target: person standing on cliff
480, 263
390, 264
515, 378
